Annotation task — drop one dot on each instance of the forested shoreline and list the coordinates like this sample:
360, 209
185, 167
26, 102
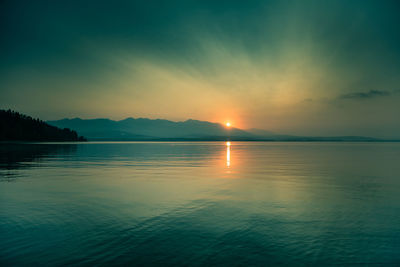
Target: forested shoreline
15, 126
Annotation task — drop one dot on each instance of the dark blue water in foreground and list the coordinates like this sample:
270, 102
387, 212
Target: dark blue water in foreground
250, 203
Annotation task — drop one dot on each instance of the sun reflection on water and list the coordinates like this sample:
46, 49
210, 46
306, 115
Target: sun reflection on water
228, 154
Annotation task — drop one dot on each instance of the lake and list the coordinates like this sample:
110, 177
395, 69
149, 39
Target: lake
200, 203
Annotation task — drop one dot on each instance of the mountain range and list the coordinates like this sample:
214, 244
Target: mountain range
143, 129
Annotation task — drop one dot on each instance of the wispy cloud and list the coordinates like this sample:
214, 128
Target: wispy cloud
364, 95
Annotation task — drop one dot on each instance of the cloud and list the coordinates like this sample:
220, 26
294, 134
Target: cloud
364, 95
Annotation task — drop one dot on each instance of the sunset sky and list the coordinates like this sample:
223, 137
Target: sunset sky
295, 67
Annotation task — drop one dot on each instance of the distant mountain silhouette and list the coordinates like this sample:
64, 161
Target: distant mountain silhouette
147, 129
141, 129
18, 127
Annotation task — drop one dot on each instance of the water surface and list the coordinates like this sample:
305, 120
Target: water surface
200, 203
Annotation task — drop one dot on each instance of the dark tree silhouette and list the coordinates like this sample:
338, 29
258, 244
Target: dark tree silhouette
18, 127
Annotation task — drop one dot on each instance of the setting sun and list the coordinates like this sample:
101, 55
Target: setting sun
228, 124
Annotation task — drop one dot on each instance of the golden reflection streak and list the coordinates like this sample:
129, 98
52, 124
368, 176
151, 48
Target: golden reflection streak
228, 154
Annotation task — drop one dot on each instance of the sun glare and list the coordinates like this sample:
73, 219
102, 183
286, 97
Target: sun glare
228, 124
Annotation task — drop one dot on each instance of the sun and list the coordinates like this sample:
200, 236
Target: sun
228, 124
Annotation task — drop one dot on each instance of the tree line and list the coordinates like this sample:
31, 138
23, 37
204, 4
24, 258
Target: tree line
19, 127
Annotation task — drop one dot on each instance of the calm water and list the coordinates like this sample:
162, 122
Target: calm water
250, 203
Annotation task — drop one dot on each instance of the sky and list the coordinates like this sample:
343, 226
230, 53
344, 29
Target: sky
292, 67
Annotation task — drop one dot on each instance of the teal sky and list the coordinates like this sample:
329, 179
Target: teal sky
295, 67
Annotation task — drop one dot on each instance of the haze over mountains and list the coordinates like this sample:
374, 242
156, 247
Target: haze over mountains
147, 129
142, 129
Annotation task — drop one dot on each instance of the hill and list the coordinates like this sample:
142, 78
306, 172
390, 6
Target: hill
148, 129
18, 127
142, 129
